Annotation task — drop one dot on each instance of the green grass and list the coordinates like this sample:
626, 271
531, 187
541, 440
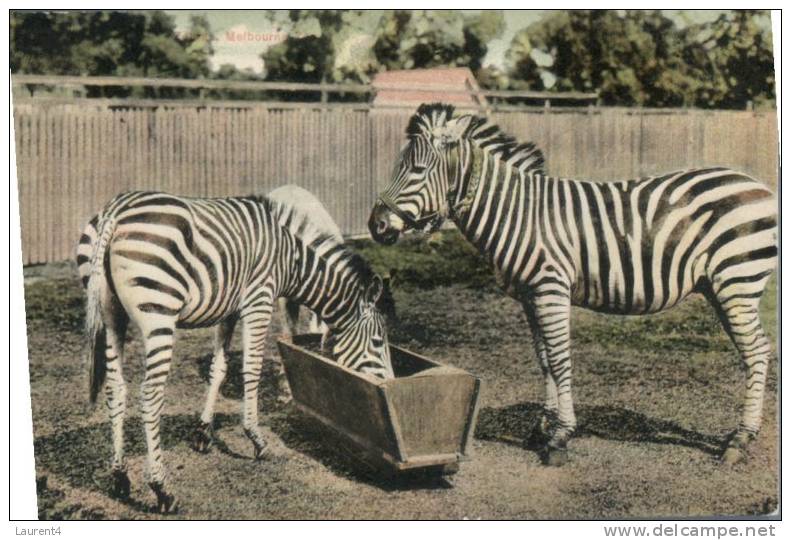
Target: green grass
445, 258
57, 302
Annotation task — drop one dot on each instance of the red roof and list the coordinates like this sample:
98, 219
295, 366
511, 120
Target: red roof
437, 84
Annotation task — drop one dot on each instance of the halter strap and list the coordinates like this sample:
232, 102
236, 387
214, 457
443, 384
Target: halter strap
412, 223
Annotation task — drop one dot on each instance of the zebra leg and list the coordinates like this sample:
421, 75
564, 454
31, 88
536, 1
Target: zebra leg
739, 316
316, 326
255, 324
204, 433
158, 342
552, 310
115, 395
289, 314
542, 431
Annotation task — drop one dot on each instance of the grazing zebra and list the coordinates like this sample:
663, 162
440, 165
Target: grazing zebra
167, 262
631, 247
307, 204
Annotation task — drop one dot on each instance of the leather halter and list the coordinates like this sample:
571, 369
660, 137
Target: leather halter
418, 224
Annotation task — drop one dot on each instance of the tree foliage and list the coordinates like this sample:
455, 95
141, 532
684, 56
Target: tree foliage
645, 58
733, 55
351, 46
108, 43
632, 57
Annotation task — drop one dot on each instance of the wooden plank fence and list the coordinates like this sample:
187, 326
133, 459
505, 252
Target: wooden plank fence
73, 157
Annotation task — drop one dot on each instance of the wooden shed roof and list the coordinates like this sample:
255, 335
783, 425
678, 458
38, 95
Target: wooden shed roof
410, 87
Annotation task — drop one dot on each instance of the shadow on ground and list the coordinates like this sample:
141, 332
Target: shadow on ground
233, 386
82, 455
307, 436
513, 425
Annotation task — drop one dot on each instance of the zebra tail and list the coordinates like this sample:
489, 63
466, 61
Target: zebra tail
96, 290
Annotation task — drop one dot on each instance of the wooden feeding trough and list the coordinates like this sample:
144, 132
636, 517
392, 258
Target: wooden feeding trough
424, 418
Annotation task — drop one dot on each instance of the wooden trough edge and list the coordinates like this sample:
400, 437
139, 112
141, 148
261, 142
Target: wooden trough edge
472, 420
377, 456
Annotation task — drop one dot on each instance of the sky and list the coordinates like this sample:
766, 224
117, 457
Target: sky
242, 35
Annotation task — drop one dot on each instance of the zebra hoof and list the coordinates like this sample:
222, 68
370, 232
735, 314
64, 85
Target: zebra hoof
732, 456
167, 503
259, 446
555, 457
736, 449
260, 453
542, 431
121, 485
283, 393
203, 438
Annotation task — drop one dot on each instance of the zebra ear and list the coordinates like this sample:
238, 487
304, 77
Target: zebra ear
449, 134
374, 290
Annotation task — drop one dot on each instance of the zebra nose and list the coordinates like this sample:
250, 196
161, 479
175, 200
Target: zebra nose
381, 226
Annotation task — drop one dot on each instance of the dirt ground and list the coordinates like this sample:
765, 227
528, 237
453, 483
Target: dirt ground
655, 398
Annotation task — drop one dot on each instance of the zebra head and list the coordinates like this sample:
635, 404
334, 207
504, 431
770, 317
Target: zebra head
424, 175
361, 344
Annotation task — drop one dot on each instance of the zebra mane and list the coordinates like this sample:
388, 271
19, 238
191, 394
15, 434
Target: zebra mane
321, 242
525, 157
428, 116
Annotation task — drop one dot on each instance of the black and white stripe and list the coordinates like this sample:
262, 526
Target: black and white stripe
166, 262
629, 247
306, 203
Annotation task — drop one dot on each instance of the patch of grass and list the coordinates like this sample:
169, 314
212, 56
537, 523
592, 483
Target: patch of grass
444, 259
691, 326
59, 303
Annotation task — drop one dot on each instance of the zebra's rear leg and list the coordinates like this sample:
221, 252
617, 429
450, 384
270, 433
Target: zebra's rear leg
736, 302
203, 437
158, 340
115, 395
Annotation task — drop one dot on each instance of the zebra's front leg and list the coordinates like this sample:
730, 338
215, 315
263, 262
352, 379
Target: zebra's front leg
159, 351
255, 324
552, 310
204, 433
542, 429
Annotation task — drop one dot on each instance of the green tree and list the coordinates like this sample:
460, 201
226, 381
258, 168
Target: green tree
351, 46
493, 78
623, 57
644, 58
733, 59
108, 43
306, 53
229, 72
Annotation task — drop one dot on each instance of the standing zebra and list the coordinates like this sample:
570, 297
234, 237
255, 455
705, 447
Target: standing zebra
167, 262
630, 247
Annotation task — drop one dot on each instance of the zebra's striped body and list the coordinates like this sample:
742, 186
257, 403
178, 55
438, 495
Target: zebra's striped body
167, 262
630, 247
307, 204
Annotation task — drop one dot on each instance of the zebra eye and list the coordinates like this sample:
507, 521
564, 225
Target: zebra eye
418, 169
377, 342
